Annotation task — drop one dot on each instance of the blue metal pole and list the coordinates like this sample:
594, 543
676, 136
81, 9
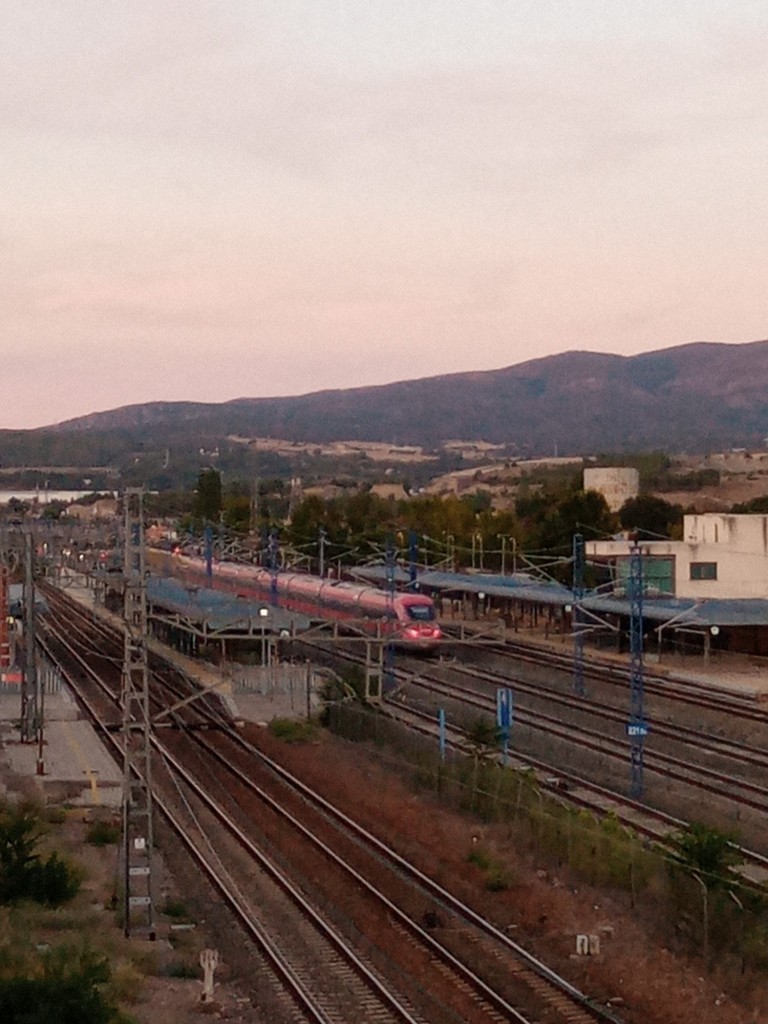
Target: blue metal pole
209, 553
637, 728
441, 732
504, 714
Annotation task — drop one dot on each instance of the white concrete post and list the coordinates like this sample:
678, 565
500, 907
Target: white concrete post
209, 961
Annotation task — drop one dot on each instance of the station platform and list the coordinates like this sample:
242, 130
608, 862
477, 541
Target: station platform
731, 672
288, 702
728, 671
77, 767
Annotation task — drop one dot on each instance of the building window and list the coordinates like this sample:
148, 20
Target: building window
703, 570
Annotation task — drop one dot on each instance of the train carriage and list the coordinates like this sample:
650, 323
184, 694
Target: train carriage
408, 618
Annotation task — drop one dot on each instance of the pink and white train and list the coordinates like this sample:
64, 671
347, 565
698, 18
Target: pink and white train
409, 619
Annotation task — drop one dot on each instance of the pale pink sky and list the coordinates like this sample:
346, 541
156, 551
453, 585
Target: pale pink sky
204, 200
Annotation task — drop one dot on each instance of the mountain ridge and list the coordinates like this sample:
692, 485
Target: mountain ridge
688, 397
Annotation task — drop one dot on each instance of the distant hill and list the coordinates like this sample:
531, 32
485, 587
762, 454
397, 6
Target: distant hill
693, 397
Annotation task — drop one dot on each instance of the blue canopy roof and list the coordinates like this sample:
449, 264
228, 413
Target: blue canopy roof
523, 587
219, 609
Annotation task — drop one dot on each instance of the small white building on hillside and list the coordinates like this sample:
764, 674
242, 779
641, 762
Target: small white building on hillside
721, 557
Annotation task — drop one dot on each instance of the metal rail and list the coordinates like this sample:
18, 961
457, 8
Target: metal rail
559, 984
287, 974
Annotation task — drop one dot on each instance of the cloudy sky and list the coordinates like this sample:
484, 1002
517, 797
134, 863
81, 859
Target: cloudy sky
210, 199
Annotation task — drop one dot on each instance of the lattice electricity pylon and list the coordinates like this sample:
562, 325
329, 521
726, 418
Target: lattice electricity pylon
138, 907
637, 728
577, 623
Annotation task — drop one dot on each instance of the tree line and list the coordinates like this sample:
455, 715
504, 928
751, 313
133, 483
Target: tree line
453, 531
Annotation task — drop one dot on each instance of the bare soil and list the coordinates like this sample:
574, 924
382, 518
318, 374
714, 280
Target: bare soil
543, 909
143, 973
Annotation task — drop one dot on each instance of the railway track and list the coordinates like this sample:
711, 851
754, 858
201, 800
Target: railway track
571, 786
667, 685
474, 970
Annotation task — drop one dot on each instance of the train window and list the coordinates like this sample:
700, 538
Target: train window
421, 612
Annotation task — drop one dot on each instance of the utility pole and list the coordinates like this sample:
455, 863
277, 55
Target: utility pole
273, 566
30, 683
389, 625
637, 728
253, 525
576, 616
321, 545
5, 638
294, 497
413, 557
138, 844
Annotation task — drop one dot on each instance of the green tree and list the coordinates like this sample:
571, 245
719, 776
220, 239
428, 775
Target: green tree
650, 515
208, 496
707, 851
237, 512
550, 520
754, 505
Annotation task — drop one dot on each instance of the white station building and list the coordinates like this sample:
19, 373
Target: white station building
721, 557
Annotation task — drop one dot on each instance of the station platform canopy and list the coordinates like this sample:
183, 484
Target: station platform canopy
688, 612
218, 613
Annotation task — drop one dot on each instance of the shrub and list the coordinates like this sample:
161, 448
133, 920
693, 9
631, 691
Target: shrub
477, 855
64, 985
181, 970
24, 874
291, 731
102, 833
497, 879
175, 908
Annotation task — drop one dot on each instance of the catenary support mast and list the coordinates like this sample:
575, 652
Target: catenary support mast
139, 914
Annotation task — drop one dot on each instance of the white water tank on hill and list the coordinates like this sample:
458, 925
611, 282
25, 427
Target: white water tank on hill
617, 484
